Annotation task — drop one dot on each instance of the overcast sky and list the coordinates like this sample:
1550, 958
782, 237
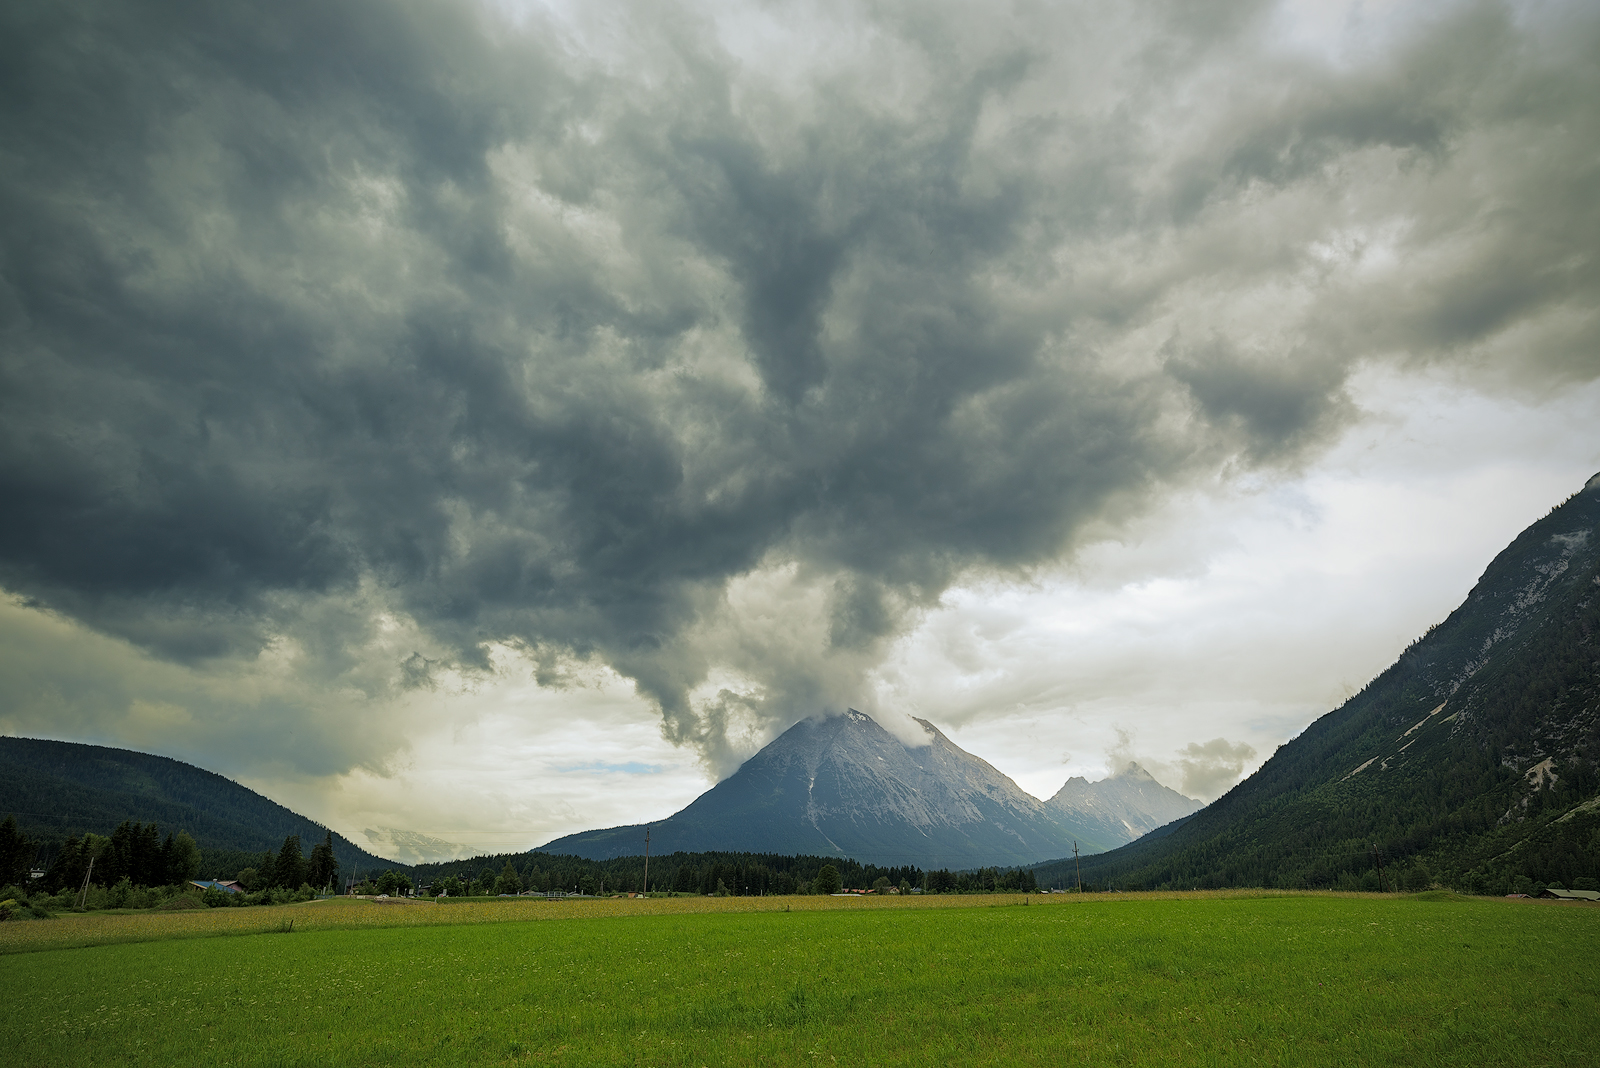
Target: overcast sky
488, 421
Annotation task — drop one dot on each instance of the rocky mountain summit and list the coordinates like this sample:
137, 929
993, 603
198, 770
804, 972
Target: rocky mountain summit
844, 786
1122, 808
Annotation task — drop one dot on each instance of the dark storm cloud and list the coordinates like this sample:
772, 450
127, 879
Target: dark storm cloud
313, 312
1275, 405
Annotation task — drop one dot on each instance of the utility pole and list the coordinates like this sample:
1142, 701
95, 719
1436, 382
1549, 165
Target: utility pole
1377, 856
83, 895
647, 861
1077, 867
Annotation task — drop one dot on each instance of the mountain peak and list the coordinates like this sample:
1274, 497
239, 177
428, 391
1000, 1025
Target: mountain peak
844, 785
1123, 806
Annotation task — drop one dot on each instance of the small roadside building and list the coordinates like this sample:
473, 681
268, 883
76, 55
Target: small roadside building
229, 885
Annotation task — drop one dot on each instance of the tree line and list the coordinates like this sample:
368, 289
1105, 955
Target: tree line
134, 851
136, 857
289, 870
732, 874
137, 853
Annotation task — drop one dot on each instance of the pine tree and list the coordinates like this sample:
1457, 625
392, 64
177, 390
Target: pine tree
145, 867
117, 859
323, 867
509, 882
185, 861
167, 863
290, 869
66, 867
16, 854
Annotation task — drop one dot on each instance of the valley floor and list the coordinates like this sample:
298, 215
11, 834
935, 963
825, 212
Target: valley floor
1180, 979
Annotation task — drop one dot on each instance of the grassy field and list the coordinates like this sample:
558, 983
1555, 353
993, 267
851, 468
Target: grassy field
1127, 979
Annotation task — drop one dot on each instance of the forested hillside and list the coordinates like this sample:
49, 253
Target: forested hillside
62, 790
1470, 762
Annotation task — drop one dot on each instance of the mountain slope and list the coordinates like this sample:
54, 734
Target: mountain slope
844, 786
1119, 809
59, 789
1470, 761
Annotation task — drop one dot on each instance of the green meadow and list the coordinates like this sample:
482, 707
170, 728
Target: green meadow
1158, 980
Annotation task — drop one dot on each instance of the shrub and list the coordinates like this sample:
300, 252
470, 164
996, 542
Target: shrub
61, 900
20, 909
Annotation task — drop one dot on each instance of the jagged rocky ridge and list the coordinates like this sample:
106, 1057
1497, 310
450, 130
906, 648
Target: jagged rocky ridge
1471, 761
1119, 809
844, 786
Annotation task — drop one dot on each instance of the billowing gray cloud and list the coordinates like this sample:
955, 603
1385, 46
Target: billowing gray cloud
606, 340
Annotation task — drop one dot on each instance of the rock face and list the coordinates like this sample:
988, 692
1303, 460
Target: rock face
844, 786
1128, 805
1473, 761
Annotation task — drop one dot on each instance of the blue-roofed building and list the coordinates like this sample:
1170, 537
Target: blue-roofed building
229, 885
